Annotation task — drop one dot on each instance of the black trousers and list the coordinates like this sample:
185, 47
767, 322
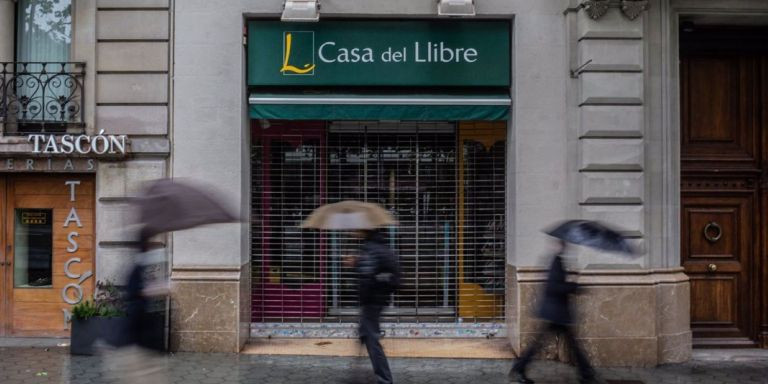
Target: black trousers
370, 333
585, 369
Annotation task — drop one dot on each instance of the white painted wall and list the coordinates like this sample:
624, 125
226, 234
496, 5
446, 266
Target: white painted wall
540, 78
210, 119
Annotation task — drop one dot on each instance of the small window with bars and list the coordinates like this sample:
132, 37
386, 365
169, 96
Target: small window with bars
445, 183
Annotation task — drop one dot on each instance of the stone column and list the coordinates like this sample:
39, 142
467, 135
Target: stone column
210, 134
633, 312
614, 175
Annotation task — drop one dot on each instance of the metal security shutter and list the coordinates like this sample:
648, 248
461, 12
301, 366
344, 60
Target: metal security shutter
443, 181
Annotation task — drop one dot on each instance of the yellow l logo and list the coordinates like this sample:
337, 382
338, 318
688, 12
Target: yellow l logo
287, 57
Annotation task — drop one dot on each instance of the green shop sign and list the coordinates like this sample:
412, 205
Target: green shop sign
379, 53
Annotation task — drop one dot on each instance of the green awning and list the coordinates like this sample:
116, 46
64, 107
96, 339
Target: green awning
380, 107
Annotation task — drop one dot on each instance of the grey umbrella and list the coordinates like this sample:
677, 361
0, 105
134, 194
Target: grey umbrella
171, 205
592, 234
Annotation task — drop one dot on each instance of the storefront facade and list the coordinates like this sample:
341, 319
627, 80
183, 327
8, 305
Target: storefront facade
591, 129
425, 141
477, 132
83, 124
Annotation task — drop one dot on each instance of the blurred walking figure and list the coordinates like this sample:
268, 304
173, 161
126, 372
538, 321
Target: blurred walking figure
555, 311
167, 205
138, 355
378, 275
555, 307
377, 267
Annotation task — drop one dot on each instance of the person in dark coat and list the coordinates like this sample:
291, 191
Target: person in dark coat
135, 356
556, 312
378, 276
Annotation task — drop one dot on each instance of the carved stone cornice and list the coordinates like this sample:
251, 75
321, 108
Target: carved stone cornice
632, 9
596, 9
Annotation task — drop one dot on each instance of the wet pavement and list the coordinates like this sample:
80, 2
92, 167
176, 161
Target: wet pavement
52, 364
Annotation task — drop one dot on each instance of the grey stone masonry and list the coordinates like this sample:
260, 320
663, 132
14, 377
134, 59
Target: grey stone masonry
608, 139
133, 91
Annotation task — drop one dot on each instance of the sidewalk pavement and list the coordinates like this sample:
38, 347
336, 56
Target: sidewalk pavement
48, 363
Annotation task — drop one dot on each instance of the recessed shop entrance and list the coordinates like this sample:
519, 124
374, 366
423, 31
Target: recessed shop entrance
724, 90
46, 251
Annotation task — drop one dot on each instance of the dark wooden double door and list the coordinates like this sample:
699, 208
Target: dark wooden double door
724, 166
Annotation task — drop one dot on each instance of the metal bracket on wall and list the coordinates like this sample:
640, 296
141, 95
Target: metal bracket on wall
576, 72
596, 9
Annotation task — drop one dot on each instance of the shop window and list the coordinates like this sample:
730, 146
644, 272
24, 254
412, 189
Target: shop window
443, 181
33, 248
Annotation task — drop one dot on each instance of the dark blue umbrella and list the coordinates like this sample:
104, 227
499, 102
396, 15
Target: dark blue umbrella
592, 234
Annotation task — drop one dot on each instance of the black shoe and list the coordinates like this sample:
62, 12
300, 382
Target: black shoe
519, 377
588, 380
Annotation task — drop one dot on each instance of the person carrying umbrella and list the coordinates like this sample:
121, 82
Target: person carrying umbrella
165, 206
555, 305
377, 267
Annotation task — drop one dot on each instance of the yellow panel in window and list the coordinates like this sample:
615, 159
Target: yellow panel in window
474, 301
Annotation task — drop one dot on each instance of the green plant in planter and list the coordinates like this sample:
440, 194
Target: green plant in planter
107, 302
85, 310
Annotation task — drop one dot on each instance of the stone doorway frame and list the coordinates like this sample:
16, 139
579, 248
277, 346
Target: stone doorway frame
663, 112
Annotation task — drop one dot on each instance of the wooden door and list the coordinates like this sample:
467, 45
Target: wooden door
48, 229
721, 164
717, 255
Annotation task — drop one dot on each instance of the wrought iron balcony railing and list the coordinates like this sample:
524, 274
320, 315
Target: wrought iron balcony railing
41, 97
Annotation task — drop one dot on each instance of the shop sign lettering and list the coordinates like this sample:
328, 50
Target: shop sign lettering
72, 293
100, 144
48, 165
420, 53
381, 53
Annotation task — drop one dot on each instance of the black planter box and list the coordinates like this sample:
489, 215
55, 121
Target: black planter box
111, 330
84, 334
114, 331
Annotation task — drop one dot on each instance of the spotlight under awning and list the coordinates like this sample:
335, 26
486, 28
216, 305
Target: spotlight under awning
301, 10
456, 8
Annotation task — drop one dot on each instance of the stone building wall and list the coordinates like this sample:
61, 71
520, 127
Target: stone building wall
577, 148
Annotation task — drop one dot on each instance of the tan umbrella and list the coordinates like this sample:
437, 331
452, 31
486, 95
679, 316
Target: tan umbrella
349, 215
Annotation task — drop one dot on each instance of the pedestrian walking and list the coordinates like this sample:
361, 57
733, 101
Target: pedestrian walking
378, 271
556, 312
165, 206
555, 307
137, 353
378, 275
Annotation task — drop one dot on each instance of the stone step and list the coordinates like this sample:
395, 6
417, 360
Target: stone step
725, 342
498, 348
